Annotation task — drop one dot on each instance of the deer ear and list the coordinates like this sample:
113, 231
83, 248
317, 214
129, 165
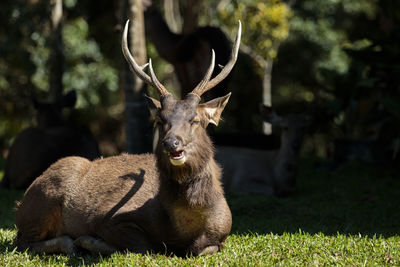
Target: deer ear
213, 108
154, 106
269, 115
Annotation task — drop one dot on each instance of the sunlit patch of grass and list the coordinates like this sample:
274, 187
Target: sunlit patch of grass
346, 216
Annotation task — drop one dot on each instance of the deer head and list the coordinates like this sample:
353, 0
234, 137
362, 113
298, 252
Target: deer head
293, 125
182, 123
49, 114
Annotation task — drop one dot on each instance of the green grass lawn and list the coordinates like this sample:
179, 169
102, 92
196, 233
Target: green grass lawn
348, 216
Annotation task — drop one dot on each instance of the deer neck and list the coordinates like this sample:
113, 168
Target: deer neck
287, 155
192, 185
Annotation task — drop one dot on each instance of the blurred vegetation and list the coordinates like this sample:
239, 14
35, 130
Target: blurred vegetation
24, 50
337, 59
339, 63
265, 23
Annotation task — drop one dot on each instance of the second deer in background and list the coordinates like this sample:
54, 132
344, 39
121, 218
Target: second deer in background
267, 172
36, 148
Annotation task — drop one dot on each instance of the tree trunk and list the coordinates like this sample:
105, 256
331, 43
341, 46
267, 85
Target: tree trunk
172, 15
138, 133
267, 65
267, 129
56, 61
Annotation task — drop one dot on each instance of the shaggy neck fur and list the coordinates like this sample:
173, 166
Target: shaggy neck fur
196, 183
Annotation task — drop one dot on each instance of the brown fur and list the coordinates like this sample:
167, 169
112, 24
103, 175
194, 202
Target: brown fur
170, 201
135, 202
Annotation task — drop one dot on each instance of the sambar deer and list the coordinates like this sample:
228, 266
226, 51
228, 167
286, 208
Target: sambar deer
36, 148
170, 201
267, 172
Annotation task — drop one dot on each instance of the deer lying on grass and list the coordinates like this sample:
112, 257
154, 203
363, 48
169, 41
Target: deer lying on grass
36, 148
266, 172
168, 201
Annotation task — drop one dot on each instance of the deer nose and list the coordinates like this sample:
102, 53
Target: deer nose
171, 143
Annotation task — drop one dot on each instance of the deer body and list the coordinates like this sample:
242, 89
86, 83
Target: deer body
246, 170
130, 205
36, 148
268, 172
170, 201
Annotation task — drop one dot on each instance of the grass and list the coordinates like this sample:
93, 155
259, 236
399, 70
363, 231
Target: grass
348, 216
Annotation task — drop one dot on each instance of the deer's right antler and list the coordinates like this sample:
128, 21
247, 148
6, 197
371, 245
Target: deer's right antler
206, 84
139, 70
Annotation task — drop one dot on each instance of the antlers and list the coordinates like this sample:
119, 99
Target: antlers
204, 85
201, 89
153, 81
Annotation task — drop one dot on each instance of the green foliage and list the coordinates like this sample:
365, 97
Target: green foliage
337, 56
265, 23
87, 70
338, 59
24, 73
368, 93
18, 23
319, 32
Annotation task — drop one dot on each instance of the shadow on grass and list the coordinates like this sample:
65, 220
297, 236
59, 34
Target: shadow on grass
82, 259
351, 200
8, 200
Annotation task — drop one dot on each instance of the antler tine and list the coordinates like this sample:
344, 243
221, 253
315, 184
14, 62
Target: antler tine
138, 70
228, 67
128, 56
161, 89
198, 90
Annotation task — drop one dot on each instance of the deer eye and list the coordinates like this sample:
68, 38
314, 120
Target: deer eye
194, 122
162, 122
158, 120
162, 119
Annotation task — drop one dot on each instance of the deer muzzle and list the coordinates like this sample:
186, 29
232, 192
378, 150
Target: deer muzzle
173, 147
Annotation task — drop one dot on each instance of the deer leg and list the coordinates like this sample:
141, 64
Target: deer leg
204, 245
94, 245
209, 250
128, 236
285, 186
63, 244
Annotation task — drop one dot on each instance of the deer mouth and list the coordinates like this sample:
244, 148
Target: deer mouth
177, 158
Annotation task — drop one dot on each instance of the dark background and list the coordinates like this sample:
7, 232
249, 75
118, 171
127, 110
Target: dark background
336, 60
